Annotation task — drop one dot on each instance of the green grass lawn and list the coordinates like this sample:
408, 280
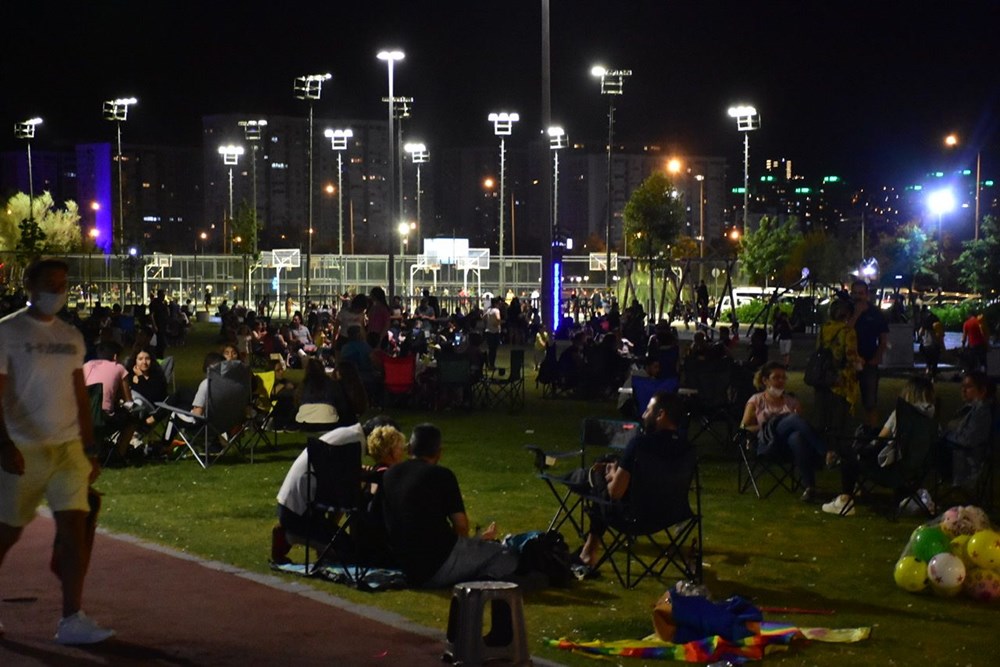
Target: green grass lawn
778, 552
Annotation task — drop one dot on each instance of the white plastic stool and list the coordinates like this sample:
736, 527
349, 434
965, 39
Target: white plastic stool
506, 640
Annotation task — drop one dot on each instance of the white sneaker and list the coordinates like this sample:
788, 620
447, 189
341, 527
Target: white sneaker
80, 629
842, 505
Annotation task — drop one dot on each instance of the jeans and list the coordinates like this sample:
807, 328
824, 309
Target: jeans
804, 444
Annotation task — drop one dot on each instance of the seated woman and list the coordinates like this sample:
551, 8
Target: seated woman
918, 392
317, 409
775, 417
965, 445
149, 386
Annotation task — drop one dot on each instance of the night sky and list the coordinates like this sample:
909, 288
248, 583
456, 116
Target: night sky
866, 90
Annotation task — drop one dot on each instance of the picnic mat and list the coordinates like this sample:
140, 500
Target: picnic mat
772, 637
373, 579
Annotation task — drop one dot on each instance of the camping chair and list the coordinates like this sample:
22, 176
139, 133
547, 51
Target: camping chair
454, 379
333, 487
643, 389
916, 437
509, 389
711, 403
602, 434
400, 375
167, 366
259, 425
764, 473
229, 391
655, 528
105, 435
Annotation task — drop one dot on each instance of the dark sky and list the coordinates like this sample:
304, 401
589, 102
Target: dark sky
866, 90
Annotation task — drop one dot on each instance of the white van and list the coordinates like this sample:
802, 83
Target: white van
744, 295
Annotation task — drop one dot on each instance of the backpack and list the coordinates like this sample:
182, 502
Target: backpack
545, 552
822, 370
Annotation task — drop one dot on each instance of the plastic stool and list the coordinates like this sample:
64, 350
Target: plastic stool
506, 640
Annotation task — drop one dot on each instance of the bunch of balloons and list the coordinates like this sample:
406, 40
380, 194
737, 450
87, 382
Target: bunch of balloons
959, 552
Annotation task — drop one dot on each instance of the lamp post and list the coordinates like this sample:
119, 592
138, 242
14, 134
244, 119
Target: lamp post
26, 131
252, 131
231, 157
951, 141
390, 56
338, 142
310, 87
404, 232
92, 234
116, 110
701, 225
747, 120
557, 141
503, 124
612, 83
199, 248
418, 156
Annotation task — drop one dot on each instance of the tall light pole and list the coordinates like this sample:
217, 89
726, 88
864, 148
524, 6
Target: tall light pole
747, 121
26, 131
418, 156
503, 124
230, 157
338, 142
310, 87
116, 110
701, 225
612, 84
252, 131
951, 141
390, 56
557, 141
92, 233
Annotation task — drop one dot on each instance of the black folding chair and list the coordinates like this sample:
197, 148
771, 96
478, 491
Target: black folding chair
710, 402
764, 473
604, 435
509, 388
105, 434
655, 528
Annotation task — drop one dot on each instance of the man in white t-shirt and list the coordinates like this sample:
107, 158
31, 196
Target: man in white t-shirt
494, 326
43, 440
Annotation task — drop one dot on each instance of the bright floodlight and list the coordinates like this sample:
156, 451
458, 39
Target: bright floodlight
557, 137
230, 154
503, 122
746, 117
252, 129
26, 130
598, 70
941, 201
392, 54
418, 152
403, 228
117, 109
674, 166
612, 80
951, 140
338, 138
310, 86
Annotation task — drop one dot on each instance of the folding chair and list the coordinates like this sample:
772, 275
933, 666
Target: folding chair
602, 434
399, 377
643, 389
333, 487
167, 366
105, 435
763, 473
259, 426
454, 379
509, 389
711, 403
210, 435
916, 437
655, 528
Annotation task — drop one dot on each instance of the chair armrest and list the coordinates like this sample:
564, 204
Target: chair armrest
181, 412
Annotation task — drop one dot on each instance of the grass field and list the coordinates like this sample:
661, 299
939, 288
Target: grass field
777, 552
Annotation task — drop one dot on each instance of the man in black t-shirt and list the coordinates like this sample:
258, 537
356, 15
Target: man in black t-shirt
873, 339
426, 522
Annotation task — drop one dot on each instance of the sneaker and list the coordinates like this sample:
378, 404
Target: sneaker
809, 495
842, 505
80, 629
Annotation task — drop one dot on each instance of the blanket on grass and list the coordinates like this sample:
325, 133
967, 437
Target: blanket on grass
772, 637
373, 579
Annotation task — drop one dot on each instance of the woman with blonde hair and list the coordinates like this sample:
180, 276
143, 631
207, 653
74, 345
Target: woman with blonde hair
835, 403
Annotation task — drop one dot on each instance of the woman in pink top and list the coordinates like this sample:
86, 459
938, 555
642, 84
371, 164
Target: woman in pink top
775, 416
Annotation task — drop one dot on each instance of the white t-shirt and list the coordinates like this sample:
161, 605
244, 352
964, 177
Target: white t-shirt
39, 358
493, 323
293, 490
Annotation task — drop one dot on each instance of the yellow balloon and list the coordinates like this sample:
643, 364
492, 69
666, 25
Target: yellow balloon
911, 574
984, 549
959, 547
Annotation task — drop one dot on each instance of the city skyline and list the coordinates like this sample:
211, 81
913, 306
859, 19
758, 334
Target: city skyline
865, 93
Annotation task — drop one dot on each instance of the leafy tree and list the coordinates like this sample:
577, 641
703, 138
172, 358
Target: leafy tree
766, 250
979, 264
817, 251
243, 229
653, 217
911, 253
43, 229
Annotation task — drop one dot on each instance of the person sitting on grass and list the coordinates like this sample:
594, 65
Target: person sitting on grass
965, 446
775, 416
918, 392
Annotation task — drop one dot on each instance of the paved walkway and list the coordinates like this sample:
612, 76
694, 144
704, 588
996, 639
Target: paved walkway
172, 609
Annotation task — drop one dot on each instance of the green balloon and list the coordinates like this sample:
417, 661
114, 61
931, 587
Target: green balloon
929, 541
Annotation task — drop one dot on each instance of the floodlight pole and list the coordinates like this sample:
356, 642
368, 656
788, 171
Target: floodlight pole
26, 131
612, 83
310, 87
252, 133
747, 120
390, 57
418, 155
502, 126
338, 142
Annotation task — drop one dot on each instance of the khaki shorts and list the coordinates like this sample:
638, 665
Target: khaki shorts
59, 473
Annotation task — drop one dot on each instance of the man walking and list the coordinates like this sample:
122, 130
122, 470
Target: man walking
43, 440
873, 338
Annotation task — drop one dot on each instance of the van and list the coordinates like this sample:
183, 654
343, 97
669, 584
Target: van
744, 295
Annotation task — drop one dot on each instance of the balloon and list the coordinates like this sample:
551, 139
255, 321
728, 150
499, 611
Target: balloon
984, 549
929, 541
910, 574
950, 521
983, 585
959, 547
946, 573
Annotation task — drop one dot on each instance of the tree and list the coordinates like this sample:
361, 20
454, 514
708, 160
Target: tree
823, 257
766, 250
910, 253
243, 229
979, 264
45, 229
653, 217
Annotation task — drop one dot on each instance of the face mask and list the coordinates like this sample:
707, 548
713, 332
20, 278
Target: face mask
49, 303
775, 392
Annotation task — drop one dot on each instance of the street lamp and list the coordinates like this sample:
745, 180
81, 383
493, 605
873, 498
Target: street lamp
310, 87
747, 120
26, 131
701, 225
503, 124
418, 156
390, 57
940, 202
338, 142
116, 111
951, 141
612, 83
557, 141
404, 231
252, 132
93, 233
231, 157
